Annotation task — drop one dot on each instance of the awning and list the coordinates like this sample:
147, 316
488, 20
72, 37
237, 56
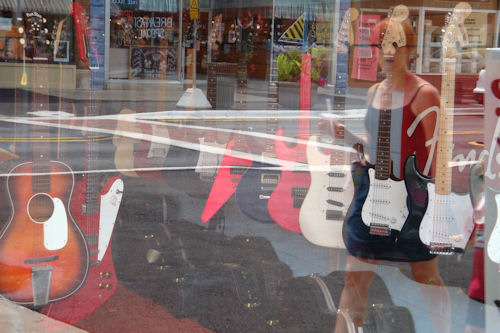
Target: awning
41, 6
169, 6
290, 9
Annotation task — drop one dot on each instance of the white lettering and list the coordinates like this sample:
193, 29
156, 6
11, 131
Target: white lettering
431, 142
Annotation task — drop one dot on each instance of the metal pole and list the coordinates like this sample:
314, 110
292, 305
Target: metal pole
195, 37
271, 60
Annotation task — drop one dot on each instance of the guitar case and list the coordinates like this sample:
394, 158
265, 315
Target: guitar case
227, 284
310, 305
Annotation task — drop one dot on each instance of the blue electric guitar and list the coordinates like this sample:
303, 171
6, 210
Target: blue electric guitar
259, 181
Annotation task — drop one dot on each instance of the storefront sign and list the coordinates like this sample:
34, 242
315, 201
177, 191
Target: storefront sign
365, 60
194, 13
152, 27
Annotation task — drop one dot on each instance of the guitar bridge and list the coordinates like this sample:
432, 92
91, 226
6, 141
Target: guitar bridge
297, 203
441, 248
378, 229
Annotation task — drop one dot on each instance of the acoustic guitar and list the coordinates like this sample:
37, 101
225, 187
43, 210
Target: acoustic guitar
43, 253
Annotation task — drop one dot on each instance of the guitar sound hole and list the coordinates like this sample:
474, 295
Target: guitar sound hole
40, 207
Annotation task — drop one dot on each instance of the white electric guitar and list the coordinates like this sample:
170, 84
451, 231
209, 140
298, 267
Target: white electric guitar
493, 247
385, 205
326, 203
447, 223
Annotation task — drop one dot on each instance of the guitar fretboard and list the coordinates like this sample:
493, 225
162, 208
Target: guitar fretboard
305, 97
241, 96
445, 137
92, 180
272, 107
383, 158
344, 38
212, 84
241, 92
39, 133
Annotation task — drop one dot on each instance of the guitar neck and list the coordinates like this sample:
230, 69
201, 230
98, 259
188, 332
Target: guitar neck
92, 179
383, 158
341, 82
445, 136
39, 133
212, 84
241, 92
272, 107
241, 96
305, 98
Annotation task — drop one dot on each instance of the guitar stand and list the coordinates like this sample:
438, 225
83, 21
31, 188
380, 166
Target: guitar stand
41, 277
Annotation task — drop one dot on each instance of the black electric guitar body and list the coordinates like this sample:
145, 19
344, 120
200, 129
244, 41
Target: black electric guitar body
408, 240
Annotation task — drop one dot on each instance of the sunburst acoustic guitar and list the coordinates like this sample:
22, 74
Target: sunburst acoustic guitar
43, 253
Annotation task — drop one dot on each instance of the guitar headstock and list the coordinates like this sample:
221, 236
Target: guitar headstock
345, 36
37, 34
455, 36
394, 35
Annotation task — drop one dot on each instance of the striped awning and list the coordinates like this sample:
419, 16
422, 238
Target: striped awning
41, 6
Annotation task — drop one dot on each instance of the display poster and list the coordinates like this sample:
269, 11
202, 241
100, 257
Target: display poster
150, 62
476, 25
365, 65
